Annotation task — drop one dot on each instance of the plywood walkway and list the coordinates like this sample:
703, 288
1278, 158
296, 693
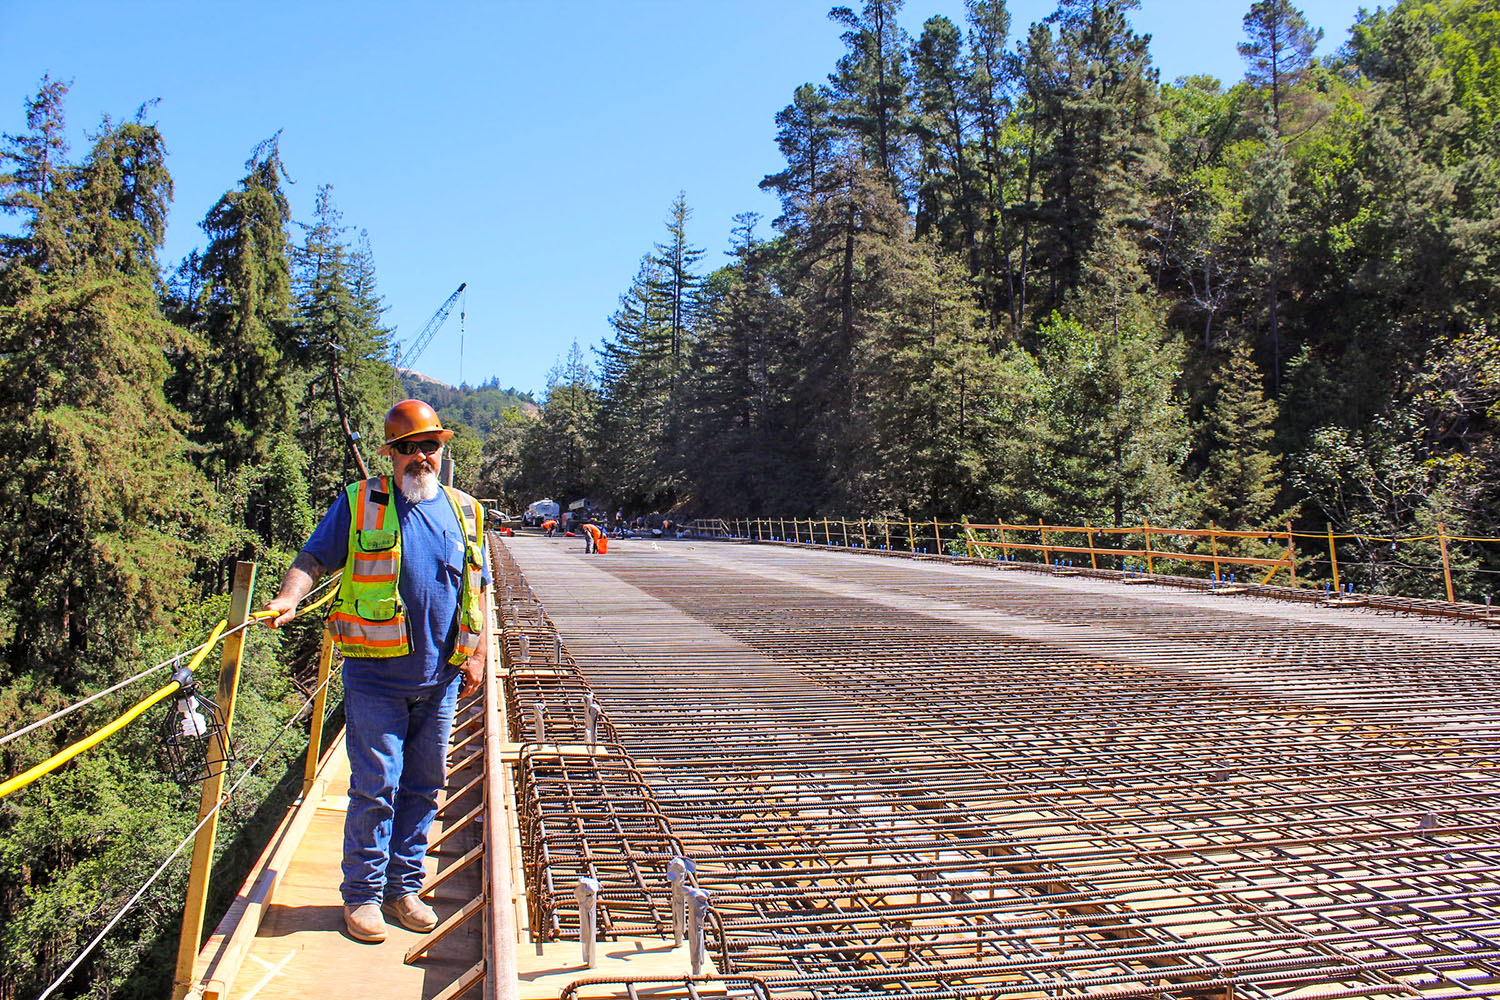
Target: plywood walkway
302, 950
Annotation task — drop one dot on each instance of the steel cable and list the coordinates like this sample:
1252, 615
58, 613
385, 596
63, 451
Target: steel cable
223, 800
162, 665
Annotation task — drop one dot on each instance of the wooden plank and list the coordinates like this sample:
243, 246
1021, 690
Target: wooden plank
220, 960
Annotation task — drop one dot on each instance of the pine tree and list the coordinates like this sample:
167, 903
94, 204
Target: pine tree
807, 138
1239, 485
943, 127
643, 367
349, 383
939, 402
1112, 435
1097, 110
836, 280
988, 89
558, 454
38, 176
869, 87
1279, 50
103, 518
741, 451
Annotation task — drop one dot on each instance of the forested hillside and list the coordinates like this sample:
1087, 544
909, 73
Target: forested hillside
1017, 275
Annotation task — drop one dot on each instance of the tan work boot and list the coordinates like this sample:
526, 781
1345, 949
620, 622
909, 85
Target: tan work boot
365, 923
413, 914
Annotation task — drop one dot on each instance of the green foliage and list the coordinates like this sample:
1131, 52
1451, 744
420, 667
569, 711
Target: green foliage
114, 540
238, 385
1111, 434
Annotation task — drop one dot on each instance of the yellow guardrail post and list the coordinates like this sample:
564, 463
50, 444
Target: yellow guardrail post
968, 537
1004, 545
320, 700
1291, 554
1093, 553
1146, 532
911, 536
1333, 559
191, 937
1447, 570
1046, 552
1213, 543
937, 538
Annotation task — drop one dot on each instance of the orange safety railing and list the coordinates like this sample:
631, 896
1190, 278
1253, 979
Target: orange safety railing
1154, 543
1213, 548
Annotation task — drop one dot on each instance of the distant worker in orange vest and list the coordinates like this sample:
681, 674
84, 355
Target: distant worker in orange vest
593, 538
549, 526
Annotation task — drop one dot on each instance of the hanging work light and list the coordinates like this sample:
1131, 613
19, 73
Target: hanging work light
192, 724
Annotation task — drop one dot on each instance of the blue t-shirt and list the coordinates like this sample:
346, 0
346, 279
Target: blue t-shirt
432, 567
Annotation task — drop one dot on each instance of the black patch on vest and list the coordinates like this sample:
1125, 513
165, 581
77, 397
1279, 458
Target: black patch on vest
379, 498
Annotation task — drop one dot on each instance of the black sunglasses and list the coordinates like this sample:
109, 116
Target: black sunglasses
412, 447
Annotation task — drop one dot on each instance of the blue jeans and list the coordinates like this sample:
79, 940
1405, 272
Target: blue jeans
398, 760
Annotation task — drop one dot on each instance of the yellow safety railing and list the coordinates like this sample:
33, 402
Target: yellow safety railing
1215, 547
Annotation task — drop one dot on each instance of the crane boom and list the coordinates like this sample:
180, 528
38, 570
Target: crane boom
424, 336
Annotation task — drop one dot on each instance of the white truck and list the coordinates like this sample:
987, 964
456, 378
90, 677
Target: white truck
539, 511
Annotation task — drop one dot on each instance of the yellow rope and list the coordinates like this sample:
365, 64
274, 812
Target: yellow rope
89, 742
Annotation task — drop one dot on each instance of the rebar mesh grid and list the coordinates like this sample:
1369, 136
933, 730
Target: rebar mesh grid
914, 779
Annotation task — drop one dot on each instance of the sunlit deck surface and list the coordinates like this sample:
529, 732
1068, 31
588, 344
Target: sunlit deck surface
924, 779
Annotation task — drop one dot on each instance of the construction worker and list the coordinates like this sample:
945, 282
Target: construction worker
592, 533
549, 526
410, 621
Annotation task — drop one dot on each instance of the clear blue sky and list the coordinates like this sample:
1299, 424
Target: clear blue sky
531, 149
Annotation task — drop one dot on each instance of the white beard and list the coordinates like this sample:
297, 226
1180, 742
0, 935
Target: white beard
419, 483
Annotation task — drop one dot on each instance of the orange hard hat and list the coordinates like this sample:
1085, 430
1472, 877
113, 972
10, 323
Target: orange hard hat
411, 417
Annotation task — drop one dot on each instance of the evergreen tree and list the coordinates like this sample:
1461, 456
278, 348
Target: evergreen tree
948, 181
38, 175
1239, 486
349, 383
635, 380
940, 403
837, 280
240, 385
988, 91
870, 87
500, 462
1279, 50
1111, 437
741, 450
807, 138
1097, 110
104, 519
559, 452
641, 413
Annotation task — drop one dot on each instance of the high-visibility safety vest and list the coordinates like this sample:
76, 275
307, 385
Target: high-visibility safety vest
368, 619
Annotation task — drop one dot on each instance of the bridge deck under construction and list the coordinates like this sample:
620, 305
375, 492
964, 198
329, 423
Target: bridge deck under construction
915, 778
